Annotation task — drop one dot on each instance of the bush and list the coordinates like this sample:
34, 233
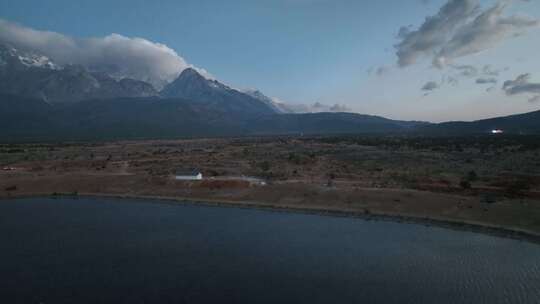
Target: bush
472, 176
465, 184
265, 166
517, 187
489, 198
11, 188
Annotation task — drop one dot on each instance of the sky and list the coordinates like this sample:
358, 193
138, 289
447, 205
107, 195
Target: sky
431, 60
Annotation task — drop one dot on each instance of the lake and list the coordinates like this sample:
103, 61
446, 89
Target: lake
89, 250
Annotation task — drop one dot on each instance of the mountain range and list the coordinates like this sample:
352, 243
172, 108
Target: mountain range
41, 100
28, 74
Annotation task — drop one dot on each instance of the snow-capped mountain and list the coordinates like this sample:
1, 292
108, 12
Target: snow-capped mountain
29, 74
10, 55
279, 107
193, 86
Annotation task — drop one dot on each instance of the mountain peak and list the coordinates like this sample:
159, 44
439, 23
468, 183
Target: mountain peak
191, 85
189, 72
190, 81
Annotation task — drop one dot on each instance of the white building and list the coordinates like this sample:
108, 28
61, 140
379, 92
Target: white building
188, 175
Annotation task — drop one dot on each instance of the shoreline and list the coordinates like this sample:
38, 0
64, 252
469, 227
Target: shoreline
446, 223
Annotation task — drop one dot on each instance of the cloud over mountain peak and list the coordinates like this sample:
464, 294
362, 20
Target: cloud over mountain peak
115, 54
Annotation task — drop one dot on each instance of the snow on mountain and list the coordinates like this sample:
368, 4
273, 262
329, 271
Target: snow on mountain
29, 74
274, 103
191, 85
9, 54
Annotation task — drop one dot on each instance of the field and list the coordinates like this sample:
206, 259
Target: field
488, 180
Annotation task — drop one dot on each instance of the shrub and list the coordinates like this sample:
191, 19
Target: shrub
465, 184
265, 166
472, 176
518, 186
489, 198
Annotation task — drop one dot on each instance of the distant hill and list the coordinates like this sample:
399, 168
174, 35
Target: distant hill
528, 123
25, 119
124, 118
28, 119
327, 123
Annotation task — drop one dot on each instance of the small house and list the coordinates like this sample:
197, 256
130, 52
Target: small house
192, 174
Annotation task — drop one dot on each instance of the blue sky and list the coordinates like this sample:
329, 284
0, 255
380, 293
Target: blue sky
305, 51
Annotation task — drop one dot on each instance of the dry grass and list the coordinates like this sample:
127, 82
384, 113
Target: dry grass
490, 180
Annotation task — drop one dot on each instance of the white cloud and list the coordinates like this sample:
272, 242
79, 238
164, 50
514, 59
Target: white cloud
460, 28
434, 32
534, 99
430, 86
118, 55
383, 70
316, 107
466, 70
486, 81
489, 71
486, 31
521, 85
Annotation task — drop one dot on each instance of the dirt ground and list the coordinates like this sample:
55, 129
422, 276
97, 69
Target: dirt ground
490, 180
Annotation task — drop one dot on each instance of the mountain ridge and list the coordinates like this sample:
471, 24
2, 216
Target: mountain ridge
33, 75
28, 119
192, 85
154, 117
40, 100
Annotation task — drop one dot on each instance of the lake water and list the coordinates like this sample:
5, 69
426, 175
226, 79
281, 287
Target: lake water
134, 251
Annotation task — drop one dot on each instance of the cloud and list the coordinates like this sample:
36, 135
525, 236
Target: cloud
115, 54
459, 29
320, 107
434, 32
340, 108
466, 70
316, 107
451, 80
379, 71
534, 99
486, 81
430, 86
489, 71
484, 32
521, 85
382, 70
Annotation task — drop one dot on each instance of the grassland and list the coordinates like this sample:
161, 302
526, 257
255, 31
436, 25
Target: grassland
491, 181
